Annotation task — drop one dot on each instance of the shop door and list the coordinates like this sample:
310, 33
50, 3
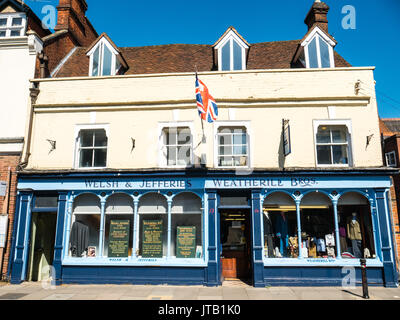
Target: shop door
235, 240
43, 232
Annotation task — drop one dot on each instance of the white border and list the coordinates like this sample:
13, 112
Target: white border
231, 36
234, 123
78, 128
173, 124
335, 122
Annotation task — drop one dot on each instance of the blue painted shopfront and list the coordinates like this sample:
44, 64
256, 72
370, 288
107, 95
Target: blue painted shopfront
208, 187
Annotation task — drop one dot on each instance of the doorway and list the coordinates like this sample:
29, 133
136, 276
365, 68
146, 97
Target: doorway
41, 250
235, 237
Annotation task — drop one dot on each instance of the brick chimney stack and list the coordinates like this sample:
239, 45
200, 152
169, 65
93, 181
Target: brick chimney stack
72, 17
318, 15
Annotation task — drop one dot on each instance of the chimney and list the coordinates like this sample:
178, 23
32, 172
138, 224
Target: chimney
318, 15
72, 17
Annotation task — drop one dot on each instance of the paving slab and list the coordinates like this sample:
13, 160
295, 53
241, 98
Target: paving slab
210, 298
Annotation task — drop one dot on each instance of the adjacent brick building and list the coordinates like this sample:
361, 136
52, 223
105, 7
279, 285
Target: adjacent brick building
28, 50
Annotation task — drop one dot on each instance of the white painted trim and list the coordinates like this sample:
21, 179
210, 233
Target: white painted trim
173, 124
78, 128
334, 122
234, 123
103, 42
318, 34
9, 26
321, 34
387, 154
231, 36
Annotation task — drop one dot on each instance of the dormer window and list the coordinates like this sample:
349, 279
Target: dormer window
12, 25
231, 51
318, 51
105, 58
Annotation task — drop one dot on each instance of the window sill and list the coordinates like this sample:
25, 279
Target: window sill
319, 262
130, 261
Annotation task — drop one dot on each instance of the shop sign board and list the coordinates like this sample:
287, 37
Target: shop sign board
186, 242
152, 246
3, 230
118, 243
3, 188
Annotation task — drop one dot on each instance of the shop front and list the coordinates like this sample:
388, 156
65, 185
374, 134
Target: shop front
203, 228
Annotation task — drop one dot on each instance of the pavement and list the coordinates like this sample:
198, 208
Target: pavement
230, 290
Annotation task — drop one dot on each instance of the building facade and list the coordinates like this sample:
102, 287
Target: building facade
282, 189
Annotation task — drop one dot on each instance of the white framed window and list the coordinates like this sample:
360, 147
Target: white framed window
91, 147
318, 51
103, 60
176, 148
333, 143
391, 159
232, 146
12, 25
231, 53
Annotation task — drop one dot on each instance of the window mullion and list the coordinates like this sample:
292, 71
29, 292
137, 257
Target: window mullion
318, 52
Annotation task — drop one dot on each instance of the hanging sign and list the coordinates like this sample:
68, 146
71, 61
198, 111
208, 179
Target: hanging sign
287, 148
118, 243
3, 230
3, 188
152, 246
186, 242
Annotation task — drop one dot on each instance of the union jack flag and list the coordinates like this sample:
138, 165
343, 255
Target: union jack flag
206, 105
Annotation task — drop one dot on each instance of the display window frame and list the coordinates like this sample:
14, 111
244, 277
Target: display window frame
134, 259
334, 196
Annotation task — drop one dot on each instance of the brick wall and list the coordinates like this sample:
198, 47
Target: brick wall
8, 162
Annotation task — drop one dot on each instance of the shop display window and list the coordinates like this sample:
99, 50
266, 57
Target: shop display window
186, 222
153, 225
85, 227
355, 227
280, 226
317, 226
118, 231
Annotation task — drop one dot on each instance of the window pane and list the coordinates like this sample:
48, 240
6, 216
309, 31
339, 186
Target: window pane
339, 136
86, 158
3, 22
239, 139
122, 239
171, 156
323, 135
17, 21
312, 53
324, 155
184, 155
15, 33
186, 242
240, 161
107, 59
89, 225
237, 56
184, 135
87, 138
225, 161
242, 150
225, 139
170, 136
223, 151
324, 50
100, 157
46, 202
100, 138
226, 56
340, 155
96, 58
2, 34
153, 235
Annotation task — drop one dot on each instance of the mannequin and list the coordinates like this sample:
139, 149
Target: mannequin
268, 232
282, 233
354, 234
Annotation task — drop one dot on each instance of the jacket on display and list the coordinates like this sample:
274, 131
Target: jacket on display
79, 240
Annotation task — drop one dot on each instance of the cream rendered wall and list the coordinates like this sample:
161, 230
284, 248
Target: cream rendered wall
133, 106
17, 66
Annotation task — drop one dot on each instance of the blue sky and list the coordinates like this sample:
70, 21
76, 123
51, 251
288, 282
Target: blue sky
374, 41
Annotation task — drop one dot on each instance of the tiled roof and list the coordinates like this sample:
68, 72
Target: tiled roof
392, 126
186, 57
